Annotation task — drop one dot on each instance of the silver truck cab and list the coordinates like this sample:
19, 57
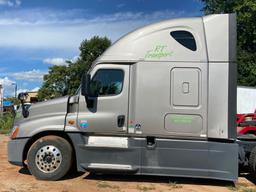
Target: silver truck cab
159, 101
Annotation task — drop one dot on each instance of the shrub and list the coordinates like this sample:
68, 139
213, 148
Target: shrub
6, 122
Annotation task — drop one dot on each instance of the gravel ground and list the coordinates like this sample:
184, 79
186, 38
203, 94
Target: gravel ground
13, 178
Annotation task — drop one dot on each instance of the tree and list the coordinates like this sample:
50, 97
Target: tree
55, 83
89, 51
246, 34
64, 80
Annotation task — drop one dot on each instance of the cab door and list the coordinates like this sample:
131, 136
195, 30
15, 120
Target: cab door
108, 114
106, 145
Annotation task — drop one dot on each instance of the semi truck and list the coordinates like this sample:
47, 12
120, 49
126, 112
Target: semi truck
160, 101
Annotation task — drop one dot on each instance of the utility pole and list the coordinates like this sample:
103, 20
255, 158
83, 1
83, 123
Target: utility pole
15, 94
1, 99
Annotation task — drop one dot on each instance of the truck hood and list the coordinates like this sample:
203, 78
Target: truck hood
45, 116
52, 107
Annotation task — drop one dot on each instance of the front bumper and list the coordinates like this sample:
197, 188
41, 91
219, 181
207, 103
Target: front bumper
15, 151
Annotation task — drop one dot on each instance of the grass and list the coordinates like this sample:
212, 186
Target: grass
145, 188
6, 123
174, 185
242, 189
247, 189
232, 188
104, 184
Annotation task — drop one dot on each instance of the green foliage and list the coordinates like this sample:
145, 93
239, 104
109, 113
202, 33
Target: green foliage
246, 68
103, 184
6, 122
241, 189
146, 188
55, 83
248, 190
246, 34
89, 51
64, 80
174, 185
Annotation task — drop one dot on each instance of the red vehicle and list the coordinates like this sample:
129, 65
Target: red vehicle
246, 123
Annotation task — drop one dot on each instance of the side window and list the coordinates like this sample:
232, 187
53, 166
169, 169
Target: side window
185, 38
108, 82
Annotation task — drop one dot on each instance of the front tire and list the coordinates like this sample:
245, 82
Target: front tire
50, 158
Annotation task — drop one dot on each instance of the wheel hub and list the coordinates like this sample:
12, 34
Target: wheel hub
48, 159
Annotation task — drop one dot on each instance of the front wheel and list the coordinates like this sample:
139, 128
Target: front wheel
50, 158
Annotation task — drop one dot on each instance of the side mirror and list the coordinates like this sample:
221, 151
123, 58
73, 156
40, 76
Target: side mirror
85, 88
25, 113
95, 88
22, 96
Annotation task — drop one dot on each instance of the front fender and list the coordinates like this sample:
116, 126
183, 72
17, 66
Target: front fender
32, 126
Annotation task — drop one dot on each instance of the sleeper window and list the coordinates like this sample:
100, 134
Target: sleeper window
108, 82
185, 38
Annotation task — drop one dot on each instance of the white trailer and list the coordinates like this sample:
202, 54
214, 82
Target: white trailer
246, 99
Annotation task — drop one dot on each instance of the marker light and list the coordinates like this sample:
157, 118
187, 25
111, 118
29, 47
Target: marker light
15, 132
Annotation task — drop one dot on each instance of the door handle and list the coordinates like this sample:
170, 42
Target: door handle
120, 120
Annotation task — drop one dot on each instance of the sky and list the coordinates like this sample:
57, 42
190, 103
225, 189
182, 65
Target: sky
37, 34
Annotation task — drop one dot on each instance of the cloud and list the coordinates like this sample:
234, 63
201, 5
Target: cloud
10, 3
18, 2
74, 59
59, 61
27, 90
55, 61
20, 79
6, 81
55, 29
35, 89
119, 6
7, 86
33, 75
22, 91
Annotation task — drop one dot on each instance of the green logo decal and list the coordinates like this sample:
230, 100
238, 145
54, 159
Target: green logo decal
130, 126
159, 51
181, 119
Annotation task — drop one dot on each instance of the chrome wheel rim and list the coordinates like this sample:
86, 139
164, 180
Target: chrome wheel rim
48, 159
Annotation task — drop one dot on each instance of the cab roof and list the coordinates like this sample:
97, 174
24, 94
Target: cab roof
197, 39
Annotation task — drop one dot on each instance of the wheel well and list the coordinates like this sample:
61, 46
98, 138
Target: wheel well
46, 133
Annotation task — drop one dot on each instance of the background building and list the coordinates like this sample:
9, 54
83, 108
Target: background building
32, 97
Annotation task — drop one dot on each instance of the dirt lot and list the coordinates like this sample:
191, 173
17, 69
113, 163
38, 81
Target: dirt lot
13, 178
